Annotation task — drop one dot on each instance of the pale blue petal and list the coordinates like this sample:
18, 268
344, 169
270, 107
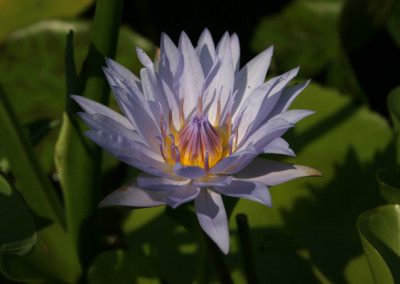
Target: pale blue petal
191, 81
172, 103
92, 107
212, 217
251, 76
189, 172
169, 56
161, 183
234, 162
123, 72
294, 115
250, 190
139, 115
287, 97
144, 58
97, 121
154, 97
224, 46
273, 173
213, 180
206, 51
279, 146
261, 102
115, 79
181, 195
235, 50
132, 196
260, 138
131, 152
221, 86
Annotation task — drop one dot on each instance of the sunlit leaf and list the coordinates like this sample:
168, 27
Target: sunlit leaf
17, 226
379, 230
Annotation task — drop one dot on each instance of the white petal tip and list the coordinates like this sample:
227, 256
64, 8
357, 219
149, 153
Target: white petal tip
307, 171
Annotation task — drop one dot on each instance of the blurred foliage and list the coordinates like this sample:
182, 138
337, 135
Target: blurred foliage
13, 13
33, 73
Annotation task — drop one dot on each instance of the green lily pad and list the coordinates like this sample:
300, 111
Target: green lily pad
18, 229
379, 230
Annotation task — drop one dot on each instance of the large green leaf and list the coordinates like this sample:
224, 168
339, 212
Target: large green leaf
379, 230
18, 229
13, 13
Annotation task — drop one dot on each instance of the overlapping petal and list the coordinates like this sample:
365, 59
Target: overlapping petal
212, 217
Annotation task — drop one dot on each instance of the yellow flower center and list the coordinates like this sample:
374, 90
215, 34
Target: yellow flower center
199, 143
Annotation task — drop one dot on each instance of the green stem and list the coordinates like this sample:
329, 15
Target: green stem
217, 259
78, 160
247, 250
32, 181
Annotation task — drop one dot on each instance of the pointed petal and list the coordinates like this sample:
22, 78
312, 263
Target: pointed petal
169, 54
221, 86
133, 196
188, 171
272, 173
212, 217
123, 72
235, 50
144, 58
294, 115
161, 183
92, 107
251, 76
130, 152
287, 97
191, 81
206, 51
254, 191
139, 115
260, 138
261, 102
181, 195
97, 121
279, 146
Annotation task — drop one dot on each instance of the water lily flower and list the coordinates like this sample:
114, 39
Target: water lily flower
194, 123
